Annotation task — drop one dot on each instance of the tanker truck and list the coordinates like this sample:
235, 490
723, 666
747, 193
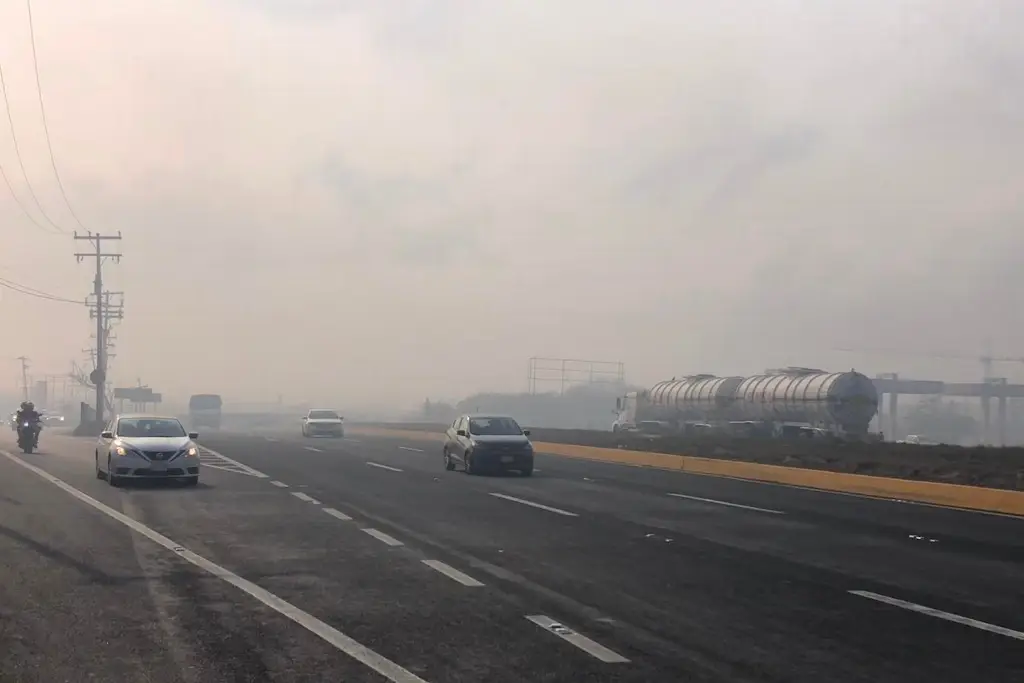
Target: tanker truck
790, 401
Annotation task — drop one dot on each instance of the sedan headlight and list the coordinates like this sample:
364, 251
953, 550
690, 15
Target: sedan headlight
122, 449
192, 452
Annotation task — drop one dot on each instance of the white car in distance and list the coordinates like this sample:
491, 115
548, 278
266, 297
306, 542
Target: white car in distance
323, 422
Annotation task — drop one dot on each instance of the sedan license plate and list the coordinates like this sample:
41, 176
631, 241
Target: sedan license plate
158, 466
507, 458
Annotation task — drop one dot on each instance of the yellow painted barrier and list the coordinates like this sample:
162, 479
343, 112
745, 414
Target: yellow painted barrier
951, 495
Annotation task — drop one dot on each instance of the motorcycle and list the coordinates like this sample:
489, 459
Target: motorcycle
28, 436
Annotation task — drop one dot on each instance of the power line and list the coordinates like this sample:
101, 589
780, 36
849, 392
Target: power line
21, 163
42, 110
14, 195
39, 294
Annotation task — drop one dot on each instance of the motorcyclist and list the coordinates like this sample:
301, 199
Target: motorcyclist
28, 413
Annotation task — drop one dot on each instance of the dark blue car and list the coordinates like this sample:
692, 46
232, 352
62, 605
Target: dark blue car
488, 443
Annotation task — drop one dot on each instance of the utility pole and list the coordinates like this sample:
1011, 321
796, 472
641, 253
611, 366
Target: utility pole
99, 374
24, 377
112, 310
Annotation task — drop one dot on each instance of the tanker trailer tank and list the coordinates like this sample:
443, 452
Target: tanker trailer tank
844, 400
698, 397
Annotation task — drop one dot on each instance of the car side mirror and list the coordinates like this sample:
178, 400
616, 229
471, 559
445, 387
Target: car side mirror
304, 419
526, 432
106, 435
193, 435
461, 432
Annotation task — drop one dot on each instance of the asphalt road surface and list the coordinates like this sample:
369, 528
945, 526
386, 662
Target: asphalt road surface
363, 560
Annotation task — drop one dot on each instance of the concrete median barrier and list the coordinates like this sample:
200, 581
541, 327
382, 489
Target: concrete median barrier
1003, 500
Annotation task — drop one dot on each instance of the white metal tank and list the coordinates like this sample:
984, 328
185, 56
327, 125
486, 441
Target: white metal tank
694, 397
848, 400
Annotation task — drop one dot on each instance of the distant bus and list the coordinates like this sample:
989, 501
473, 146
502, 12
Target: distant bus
204, 411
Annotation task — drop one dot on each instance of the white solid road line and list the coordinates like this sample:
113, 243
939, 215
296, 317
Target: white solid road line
939, 614
279, 484
314, 450
383, 537
382, 665
302, 496
248, 470
270, 439
383, 467
453, 573
722, 502
581, 641
337, 513
408, 448
535, 505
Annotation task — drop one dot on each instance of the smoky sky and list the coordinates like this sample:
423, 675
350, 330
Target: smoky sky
365, 203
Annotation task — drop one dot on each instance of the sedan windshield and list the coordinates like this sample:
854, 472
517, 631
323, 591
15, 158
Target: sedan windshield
494, 426
140, 428
323, 415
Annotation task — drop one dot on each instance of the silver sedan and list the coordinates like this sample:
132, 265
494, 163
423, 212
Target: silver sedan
133, 447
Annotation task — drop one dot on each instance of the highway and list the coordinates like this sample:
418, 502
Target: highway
361, 559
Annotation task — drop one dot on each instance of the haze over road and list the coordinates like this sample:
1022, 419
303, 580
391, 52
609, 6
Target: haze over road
388, 209
362, 559
684, 187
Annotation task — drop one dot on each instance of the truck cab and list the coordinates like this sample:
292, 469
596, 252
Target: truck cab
625, 413
204, 410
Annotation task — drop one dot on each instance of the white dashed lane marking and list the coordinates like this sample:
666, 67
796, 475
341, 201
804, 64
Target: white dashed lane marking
305, 497
939, 614
218, 461
383, 467
383, 537
337, 514
453, 573
279, 484
314, 450
408, 448
727, 504
592, 648
539, 506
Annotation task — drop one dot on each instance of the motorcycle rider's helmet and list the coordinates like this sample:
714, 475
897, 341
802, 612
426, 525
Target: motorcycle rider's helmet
29, 405
25, 405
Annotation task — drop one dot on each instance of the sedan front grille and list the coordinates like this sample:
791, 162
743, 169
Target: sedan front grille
146, 472
505, 447
159, 455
